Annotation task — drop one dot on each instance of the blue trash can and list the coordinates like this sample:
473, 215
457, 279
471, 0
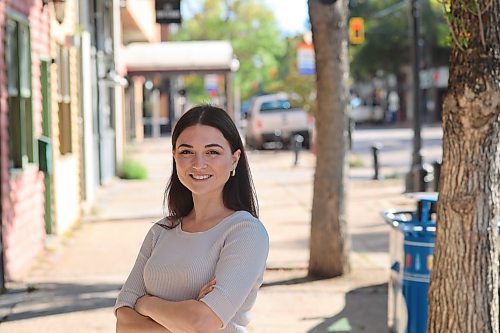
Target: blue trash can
418, 251
411, 248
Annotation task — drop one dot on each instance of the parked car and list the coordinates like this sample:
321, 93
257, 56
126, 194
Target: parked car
273, 118
361, 112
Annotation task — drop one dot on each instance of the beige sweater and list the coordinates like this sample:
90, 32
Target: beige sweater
175, 265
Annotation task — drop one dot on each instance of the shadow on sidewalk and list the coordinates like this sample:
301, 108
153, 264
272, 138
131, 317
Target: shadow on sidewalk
289, 282
56, 298
370, 241
365, 311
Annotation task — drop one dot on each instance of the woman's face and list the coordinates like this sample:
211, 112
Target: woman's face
204, 160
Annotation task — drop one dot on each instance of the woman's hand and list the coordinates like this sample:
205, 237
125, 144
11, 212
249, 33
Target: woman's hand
206, 289
141, 305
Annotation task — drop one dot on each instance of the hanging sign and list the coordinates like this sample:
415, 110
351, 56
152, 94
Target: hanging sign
168, 11
305, 59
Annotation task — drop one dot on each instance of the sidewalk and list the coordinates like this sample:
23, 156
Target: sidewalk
74, 286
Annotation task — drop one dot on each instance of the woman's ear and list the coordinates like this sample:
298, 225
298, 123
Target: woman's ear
236, 158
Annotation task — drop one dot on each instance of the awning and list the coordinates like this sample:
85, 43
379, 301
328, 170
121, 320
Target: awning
180, 57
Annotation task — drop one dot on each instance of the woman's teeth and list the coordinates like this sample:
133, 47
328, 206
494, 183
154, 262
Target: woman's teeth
200, 177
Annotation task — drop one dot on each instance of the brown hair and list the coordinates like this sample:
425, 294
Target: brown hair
238, 193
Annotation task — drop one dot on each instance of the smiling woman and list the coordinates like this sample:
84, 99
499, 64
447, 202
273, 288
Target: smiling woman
204, 160
199, 268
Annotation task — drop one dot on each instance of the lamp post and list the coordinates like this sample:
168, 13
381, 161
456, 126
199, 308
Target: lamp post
59, 8
415, 178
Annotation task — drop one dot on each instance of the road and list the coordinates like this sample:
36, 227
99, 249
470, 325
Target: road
396, 147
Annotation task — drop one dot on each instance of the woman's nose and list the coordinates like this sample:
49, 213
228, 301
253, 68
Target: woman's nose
199, 162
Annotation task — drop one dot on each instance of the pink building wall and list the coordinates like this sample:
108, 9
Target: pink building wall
23, 226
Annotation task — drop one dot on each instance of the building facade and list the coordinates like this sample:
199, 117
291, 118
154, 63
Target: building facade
65, 132
25, 44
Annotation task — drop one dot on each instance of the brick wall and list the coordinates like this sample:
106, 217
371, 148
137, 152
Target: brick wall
23, 226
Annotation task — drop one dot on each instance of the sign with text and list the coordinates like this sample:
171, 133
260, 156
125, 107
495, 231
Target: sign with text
305, 59
168, 11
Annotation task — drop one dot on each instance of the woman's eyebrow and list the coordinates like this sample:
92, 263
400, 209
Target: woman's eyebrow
214, 145
210, 145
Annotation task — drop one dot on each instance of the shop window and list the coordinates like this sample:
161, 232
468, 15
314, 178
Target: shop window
64, 101
18, 60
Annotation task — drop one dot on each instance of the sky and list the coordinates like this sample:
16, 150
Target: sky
292, 15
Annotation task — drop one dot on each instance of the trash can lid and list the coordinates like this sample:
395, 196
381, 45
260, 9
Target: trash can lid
427, 196
412, 227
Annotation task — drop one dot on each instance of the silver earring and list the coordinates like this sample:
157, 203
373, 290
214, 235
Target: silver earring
233, 173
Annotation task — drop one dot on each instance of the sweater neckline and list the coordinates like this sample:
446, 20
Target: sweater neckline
223, 221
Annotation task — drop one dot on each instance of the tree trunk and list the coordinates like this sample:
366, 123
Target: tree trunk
463, 294
329, 242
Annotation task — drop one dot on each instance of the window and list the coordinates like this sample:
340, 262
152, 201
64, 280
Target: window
18, 61
64, 101
276, 105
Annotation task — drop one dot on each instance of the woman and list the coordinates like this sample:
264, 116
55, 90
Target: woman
199, 269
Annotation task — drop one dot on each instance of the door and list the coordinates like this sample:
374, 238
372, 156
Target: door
45, 145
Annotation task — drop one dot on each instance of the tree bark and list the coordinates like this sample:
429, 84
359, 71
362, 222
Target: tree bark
463, 293
329, 242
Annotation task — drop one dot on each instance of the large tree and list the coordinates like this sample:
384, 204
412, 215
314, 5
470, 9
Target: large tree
329, 246
253, 32
463, 293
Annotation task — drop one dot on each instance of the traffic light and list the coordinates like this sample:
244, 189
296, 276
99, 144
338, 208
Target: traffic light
356, 30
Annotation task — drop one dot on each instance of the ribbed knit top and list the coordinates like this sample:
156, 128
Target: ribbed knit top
174, 265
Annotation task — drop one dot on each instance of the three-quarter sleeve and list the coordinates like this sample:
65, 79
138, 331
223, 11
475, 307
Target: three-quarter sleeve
239, 269
134, 286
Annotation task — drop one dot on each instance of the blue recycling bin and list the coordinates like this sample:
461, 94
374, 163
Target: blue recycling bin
411, 250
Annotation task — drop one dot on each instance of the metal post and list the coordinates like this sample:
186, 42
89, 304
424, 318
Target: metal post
437, 173
413, 180
297, 146
375, 150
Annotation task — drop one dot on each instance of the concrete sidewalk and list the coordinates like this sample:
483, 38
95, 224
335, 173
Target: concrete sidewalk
73, 287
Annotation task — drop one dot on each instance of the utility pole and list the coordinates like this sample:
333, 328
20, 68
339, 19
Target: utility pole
415, 178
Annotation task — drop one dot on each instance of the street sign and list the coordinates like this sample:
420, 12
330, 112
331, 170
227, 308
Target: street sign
356, 30
168, 11
305, 59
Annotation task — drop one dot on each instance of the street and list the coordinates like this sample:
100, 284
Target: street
396, 146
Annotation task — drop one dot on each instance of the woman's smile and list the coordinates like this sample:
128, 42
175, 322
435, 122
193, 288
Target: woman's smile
200, 177
204, 160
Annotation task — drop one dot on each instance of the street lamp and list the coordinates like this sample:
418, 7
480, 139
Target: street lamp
59, 8
415, 178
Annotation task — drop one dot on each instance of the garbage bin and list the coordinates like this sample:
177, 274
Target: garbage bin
411, 247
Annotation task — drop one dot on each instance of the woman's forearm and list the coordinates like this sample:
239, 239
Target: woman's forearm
183, 316
129, 321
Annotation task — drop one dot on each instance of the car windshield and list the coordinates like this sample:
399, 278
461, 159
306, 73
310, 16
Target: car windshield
279, 104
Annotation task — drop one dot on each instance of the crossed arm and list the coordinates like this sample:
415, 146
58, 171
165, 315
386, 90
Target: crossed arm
153, 314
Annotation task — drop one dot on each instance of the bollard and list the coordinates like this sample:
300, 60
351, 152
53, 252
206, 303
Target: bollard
436, 166
297, 142
350, 131
375, 149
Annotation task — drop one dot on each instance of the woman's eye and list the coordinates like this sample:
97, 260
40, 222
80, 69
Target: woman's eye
213, 152
184, 152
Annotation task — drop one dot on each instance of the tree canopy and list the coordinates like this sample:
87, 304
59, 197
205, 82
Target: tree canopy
253, 32
387, 32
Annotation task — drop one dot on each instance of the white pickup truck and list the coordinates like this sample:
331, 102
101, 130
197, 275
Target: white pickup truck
272, 118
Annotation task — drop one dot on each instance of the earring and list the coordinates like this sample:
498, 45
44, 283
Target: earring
233, 172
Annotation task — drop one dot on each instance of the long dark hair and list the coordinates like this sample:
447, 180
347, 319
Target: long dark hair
238, 193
